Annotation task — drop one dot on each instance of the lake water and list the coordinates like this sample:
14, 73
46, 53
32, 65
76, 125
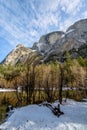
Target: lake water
7, 96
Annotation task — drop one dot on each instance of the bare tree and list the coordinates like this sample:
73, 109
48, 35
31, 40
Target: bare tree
29, 76
61, 78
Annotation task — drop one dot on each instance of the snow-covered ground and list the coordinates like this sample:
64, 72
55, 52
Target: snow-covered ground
34, 117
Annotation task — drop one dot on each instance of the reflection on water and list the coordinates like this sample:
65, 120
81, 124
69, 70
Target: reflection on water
7, 97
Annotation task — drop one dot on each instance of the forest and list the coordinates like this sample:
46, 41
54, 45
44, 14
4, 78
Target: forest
47, 81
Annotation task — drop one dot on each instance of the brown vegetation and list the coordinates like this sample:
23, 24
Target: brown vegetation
45, 81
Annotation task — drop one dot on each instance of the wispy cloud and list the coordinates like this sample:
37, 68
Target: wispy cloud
72, 7
85, 14
24, 21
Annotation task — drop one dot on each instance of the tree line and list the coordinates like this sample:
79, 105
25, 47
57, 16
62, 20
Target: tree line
46, 81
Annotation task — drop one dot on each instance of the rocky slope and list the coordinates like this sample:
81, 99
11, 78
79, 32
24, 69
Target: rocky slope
21, 54
53, 46
73, 40
46, 42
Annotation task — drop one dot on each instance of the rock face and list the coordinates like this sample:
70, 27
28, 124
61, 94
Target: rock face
47, 41
74, 40
20, 55
53, 46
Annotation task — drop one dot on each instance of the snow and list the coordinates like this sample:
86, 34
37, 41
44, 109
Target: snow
63, 35
82, 40
39, 45
33, 50
34, 117
71, 30
6, 90
85, 99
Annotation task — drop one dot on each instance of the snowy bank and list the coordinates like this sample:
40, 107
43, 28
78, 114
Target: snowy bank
7, 90
34, 117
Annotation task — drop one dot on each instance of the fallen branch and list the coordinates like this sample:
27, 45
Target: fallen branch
55, 110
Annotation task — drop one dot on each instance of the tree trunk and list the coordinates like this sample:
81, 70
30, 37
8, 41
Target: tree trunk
60, 84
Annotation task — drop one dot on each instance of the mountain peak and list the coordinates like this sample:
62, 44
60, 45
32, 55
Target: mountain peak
19, 45
19, 55
79, 25
53, 46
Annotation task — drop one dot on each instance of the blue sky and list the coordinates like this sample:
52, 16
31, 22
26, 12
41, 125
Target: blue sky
24, 21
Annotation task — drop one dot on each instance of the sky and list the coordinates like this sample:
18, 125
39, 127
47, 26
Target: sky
25, 21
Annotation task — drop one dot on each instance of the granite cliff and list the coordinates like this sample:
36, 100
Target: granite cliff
54, 45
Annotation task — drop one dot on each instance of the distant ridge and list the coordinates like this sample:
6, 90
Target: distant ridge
53, 46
